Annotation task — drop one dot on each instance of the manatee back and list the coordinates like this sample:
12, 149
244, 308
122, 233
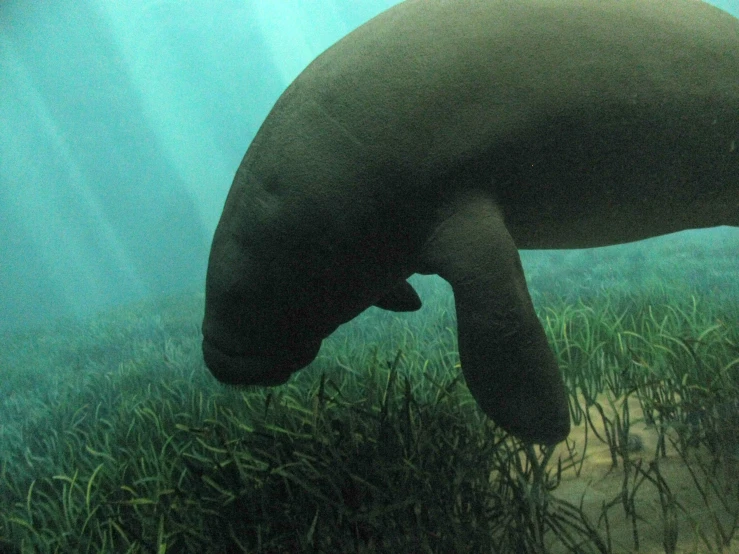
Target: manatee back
565, 110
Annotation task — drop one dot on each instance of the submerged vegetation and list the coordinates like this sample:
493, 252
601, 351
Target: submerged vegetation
114, 437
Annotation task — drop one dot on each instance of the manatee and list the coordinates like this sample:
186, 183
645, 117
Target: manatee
440, 137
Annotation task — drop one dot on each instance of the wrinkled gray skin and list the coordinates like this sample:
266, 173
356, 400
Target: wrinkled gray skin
443, 135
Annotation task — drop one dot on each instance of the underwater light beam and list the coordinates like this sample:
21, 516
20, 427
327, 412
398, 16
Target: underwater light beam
51, 209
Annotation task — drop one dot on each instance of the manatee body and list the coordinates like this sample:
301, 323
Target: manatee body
441, 136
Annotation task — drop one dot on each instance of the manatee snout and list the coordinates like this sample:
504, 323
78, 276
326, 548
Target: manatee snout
257, 369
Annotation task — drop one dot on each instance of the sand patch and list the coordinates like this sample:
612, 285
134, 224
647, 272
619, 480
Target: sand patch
689, 514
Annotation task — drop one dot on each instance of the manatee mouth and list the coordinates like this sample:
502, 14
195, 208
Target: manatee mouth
259, 370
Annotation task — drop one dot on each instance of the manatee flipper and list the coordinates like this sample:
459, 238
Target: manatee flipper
506, 360
401, 298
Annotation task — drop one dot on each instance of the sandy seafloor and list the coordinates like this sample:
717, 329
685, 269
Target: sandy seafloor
599, 482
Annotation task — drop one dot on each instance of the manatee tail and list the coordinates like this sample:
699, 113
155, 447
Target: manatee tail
506, 360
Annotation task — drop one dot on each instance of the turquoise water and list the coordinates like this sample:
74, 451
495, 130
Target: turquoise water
123, 125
